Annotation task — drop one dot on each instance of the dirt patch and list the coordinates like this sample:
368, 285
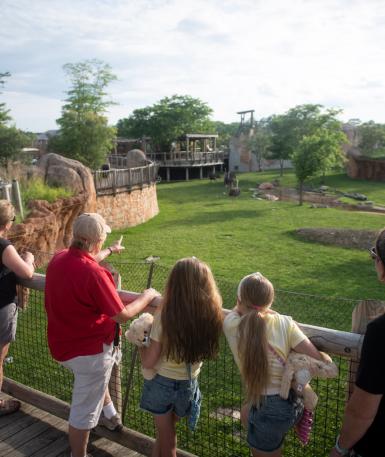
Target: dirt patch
347, 238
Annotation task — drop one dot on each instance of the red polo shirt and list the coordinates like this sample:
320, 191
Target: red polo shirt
80, 299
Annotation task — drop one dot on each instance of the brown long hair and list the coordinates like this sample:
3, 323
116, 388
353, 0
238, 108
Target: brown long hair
255, 294
191, 313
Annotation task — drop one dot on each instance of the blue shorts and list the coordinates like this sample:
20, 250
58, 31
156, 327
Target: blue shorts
161, 395
268, 424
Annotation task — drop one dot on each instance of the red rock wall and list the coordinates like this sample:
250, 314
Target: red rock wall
129, 208
48, 227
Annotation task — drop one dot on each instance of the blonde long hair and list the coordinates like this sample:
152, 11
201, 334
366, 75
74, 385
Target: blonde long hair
255, 295
191, 313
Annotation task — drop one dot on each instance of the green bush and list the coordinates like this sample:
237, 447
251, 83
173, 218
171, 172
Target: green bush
36, 189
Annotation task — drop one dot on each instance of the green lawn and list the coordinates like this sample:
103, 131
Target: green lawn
239, 235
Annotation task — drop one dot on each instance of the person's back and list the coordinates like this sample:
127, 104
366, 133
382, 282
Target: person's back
260, 340
185, 332
79, 306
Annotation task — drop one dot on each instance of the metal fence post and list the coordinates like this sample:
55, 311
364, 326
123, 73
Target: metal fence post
17, 197
151, 260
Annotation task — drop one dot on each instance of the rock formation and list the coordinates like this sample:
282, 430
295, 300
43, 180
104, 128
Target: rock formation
48, 226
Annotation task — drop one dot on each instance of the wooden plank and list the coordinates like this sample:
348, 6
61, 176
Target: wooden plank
48, 435
102, 447
13, 418
17, 440
57, 447
127, 437
16, 423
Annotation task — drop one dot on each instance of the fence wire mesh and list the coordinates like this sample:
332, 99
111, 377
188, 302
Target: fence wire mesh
219, 432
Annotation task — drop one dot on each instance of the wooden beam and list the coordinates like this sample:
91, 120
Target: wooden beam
332, 341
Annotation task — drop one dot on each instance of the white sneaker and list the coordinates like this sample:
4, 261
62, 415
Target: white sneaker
113, 424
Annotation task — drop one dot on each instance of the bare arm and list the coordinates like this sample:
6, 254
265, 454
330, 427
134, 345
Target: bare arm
308, 348
150, 355
22, 268
360, 412
116, 247
136, 306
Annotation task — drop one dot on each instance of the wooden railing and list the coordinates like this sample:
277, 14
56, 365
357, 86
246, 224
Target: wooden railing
120, 180
189, 158
219, 382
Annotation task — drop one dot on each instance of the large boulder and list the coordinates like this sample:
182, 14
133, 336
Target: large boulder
136, 158
71, 174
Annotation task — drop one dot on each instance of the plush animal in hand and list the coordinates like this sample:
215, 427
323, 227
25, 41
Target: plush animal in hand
138, 334
299, 369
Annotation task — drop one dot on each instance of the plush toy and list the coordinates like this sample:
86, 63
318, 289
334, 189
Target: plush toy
299, 370
138, 334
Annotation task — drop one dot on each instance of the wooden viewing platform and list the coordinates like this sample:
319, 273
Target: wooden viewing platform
33, 432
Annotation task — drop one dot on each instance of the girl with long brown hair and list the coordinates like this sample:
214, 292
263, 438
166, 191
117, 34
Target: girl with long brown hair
260, 340
185, 332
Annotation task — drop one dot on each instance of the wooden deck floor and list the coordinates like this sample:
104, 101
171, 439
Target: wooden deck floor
33, 432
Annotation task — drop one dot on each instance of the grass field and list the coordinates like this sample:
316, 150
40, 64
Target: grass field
235, 236
239, 235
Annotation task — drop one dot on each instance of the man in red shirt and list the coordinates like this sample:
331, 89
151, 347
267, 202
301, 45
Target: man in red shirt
82, 308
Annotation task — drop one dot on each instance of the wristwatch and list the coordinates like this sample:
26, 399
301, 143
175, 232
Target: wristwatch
341, 450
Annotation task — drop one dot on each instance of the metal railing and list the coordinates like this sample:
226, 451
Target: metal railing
120, 180
219, 432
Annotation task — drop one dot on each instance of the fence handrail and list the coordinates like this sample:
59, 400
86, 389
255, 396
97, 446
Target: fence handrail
116, 179
334, 342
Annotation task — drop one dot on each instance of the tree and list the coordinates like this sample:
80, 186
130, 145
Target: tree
317, 153
11, 138
84, 132
260, 141
290, 128
372, 139
4, 117
225, 132
167, 120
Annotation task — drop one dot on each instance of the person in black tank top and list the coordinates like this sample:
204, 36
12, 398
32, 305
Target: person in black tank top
11, 267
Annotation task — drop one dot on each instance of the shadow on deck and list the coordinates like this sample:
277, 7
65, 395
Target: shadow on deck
33, 432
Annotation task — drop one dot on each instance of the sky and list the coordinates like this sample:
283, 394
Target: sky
235, 55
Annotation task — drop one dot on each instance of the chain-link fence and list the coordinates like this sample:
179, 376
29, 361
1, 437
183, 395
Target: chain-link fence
219, 431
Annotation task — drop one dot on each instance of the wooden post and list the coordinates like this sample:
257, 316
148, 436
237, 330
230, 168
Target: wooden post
6, 192
167, 174
363, 313
187, 175
17, 197
113, 184
200, 172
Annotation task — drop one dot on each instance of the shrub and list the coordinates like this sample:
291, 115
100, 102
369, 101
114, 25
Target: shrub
36, 189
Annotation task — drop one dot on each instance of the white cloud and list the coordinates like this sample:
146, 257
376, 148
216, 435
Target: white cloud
269, 55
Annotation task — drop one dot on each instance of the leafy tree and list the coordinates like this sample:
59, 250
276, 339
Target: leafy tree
372, 139
167, 120
260, 142
225, 132
84, 132
11, 138
4, 117
317, 153
290, 128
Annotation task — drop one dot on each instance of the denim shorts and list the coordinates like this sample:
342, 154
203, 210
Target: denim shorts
161, 395
268, 424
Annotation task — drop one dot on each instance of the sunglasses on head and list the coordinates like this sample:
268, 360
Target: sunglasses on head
373, 254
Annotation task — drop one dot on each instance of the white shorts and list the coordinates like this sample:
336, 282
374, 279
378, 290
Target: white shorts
91, 377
